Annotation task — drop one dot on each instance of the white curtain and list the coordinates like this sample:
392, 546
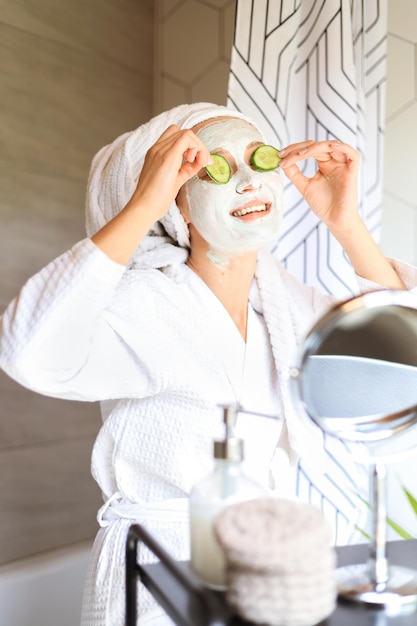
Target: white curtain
315, 69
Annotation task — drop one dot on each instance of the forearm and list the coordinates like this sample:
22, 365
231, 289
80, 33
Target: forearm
120, 237
332, 195
171, 161
366, 257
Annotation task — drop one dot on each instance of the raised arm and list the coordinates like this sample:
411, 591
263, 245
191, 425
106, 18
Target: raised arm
332, 193
58, 337
170, 162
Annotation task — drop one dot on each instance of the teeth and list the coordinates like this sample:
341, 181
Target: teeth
249, 209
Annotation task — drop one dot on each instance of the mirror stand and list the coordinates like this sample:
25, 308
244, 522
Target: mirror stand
377, 583
356, 379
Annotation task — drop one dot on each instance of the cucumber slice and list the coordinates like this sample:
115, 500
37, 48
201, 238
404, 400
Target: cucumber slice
219, 170
265, 158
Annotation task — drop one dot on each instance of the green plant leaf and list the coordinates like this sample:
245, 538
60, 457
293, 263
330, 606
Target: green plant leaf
397, 528
363, 532
404, 534
410, 498
363, 500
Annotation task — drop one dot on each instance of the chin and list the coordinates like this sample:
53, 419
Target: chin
224, 256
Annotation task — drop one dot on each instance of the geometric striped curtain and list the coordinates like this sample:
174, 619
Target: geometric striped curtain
315, 69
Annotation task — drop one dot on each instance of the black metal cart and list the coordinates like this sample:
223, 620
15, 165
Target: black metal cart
189, 603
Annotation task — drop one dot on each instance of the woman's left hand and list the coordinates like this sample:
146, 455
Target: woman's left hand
332, 193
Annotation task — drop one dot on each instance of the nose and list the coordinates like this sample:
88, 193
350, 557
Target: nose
248, 181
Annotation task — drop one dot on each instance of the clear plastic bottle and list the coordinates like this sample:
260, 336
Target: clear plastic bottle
225, 485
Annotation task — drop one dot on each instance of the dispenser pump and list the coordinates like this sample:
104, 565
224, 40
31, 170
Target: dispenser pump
225, 485
230, 448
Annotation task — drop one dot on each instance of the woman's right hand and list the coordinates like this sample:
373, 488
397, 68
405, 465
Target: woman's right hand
173, 159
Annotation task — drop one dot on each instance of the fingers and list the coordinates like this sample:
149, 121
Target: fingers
179, 154
295, 147
183, 142
172, 160
298, 179
321, 151
200, 157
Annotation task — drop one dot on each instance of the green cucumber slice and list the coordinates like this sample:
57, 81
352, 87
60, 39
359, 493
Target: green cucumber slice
219, 170
265, 158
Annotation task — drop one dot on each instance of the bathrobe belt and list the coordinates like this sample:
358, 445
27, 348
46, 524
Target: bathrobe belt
118, 507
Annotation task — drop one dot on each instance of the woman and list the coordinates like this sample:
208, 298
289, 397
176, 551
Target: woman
172, 307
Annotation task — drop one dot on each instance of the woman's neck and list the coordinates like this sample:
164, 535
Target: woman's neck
230, 282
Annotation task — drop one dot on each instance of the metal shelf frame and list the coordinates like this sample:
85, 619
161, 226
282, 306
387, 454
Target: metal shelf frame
190, 603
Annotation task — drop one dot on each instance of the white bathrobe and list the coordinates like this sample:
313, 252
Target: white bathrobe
155, 349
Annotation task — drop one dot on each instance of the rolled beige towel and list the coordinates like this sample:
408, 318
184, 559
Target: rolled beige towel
279, 562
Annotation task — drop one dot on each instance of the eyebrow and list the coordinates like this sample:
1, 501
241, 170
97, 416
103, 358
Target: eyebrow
254, 143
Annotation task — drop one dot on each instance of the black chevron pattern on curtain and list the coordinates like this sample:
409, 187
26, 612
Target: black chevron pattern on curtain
315, 69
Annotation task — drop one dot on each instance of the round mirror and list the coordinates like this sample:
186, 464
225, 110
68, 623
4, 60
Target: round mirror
357, 375
356, 378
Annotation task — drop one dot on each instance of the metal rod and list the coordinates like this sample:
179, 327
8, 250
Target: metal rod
378, 561
131, 578
138, 532
212, 607
240, 409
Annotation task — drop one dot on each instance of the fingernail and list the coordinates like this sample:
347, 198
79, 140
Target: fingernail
282, 152
282, 162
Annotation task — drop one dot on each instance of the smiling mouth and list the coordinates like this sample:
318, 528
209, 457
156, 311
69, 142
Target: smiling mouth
254, 211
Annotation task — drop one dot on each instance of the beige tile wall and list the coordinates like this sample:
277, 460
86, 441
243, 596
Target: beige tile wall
73, 75
193, 44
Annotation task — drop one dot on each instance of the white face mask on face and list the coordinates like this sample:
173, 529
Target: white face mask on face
244, 214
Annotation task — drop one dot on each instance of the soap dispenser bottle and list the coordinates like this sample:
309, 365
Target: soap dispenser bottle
225, 485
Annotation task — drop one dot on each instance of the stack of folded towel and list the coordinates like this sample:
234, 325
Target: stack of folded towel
279, 562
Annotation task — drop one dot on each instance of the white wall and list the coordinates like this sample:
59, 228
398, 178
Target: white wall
399, 216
